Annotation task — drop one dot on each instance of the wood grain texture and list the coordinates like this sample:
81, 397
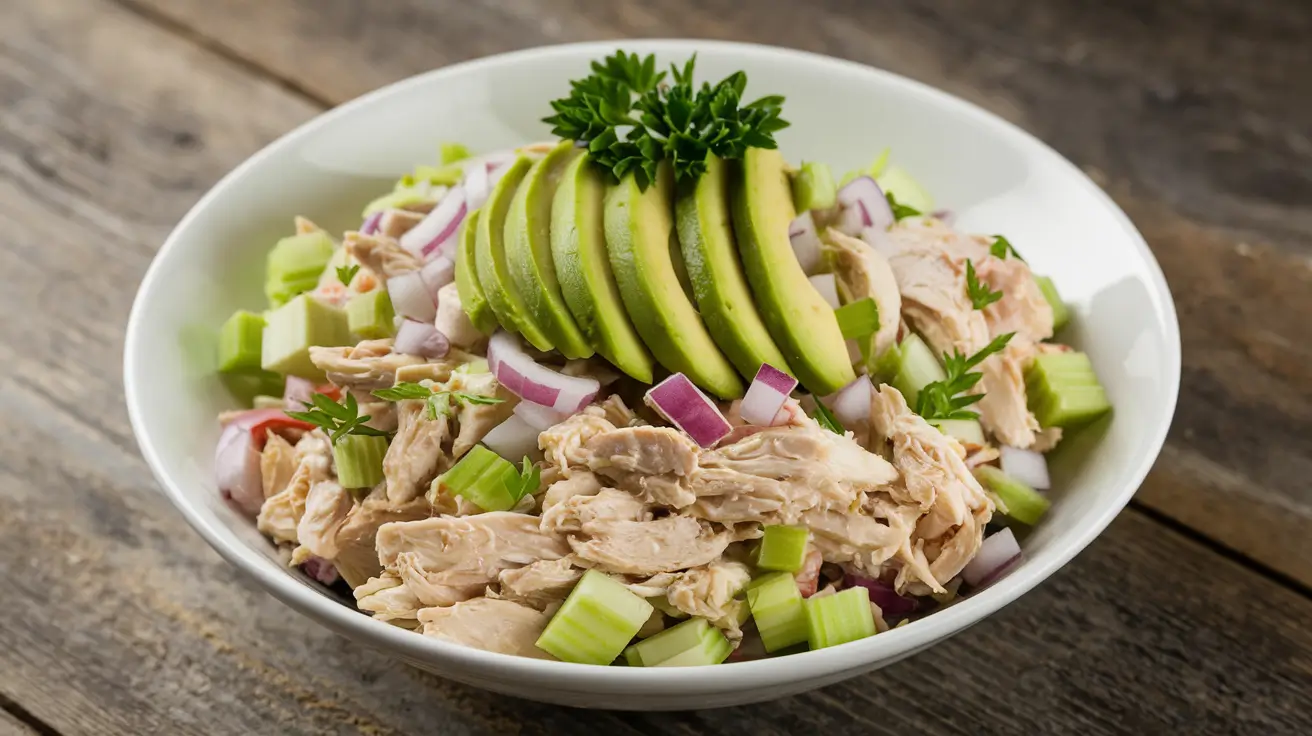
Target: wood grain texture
120, 620
1189, 113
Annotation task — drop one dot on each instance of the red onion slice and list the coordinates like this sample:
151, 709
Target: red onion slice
851, 403
411, 297
687, 408
827, 287
806, 242
439, 226
237, 468
422, 339
320, 570
531, 381
864, 197
296, 393
370, 226
437, 273
1026, 466
766, 396
996, 554
539, 417
513, 439
883, 595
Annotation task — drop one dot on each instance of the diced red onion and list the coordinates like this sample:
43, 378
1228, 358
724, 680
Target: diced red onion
1026, 466
864, 205
808, 578
806, 242
497, 169
296, 393
539, 417
828, 288
996, 554
513, 439
237, 467
851, 403
687, 408
766, 396
437, 273
439, 226
320, 570
422, 339
883, 595
531, 381
411, 297
370, 225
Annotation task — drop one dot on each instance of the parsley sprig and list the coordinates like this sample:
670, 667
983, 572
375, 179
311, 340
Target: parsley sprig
1000, 247
980, 294
528, 480
346, 273
439, 403
827, 420
901, 211
631, 120
338, 420
944, 399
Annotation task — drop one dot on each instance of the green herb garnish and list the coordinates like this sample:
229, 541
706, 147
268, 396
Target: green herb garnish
346, 273
980, 294
1001, 247
530, 476
826, 419
338, 420
631, 121
900, 211
941, 399
439, 402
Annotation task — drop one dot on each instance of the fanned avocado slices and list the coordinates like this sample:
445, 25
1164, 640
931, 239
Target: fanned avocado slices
578, 248
471, 293
639, 228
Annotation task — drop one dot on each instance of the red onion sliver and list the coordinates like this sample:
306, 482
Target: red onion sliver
437, 273
237, 467
296, 393
883, 595
766, 396
539, 417
320, 570
411, 297
438, 226
864, 196
806, 242
995, 554
422, 339
828, 288
370, 226
1026, 466
679, 401
531, 381
851, 403
513, 439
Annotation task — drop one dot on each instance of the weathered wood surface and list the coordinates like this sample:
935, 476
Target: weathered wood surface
119, 619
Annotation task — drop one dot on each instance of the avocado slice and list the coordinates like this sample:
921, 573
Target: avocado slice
471, 293
528, 252
490, 260
639, 233
801, 322
701, 216
578, 249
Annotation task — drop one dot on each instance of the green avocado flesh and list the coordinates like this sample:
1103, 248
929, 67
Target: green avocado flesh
578, 249
490, 260
800, 321
470, 290
528, 253
639, 227
701, 215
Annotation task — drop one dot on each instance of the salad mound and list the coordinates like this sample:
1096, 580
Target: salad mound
648, 394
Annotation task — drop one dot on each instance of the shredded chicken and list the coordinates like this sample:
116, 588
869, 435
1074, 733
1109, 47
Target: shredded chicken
650, 462
541, 584
395, 223
388, 599
476, 420
860, 272
367, 366
282, 511
418, 453
452, 320
710, 592
382, 255
563, 443
649, 547
495, 625
277, 463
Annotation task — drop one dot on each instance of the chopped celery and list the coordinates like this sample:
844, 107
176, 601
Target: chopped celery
596, 622
896, 181
917, 367
783, 548
268, 402
662, 604
968, 431
474, 366
814, 188
239, 342
453, 152
1063, 390
839, 618
858, 319
359, 460
875, 168
1061, 314
777, 607
671, 642
1024, 504
292, 329
1067, 363
295, 264
712, 648
482, 477
447, 176
371, 315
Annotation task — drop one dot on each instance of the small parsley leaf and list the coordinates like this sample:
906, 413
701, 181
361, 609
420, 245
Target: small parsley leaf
404, 390
346, 273
980, 294
944, 399
827, 420
901, 211
526, 482
337, 420
439, 403
1001, 247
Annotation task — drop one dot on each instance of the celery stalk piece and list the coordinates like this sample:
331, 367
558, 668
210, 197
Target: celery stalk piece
783, 548
240, 341
268, 402
673, 641
1024, 504
292, 329
359, 460
448, 175
839, 618
968, 431
1061, 314
453, 152
1070, 407
371, 316
711, 648
596, 622
1063, 390
916, 368
896, 181
482, 477
295, 264
814, 187
777, 607
1067, 363
858, 319
474, 366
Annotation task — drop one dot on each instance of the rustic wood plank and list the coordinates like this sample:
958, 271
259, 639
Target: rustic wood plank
1187, 112
11, 726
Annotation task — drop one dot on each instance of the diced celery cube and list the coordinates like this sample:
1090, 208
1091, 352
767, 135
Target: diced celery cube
858, 319
777, 607
1024, 504
474, 366
839, 618
482, 477
596, 622
453, 152
670, 642
896, 181
292, 329
1061, 314
1070, 362
447, 176
1070, 406
359, 460
814, 188
295, 264
712, 648
968, 431
370, 315
783, 548
917, 368
239, 342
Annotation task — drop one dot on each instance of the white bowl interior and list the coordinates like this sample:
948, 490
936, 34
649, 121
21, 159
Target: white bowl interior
996, 178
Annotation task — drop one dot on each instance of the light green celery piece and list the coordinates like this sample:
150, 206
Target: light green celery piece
917, 368
1063, 390
371, 315
268, 402
875, 168
292, 329
359, 460
1061, 314
814, 188
782, 548
295, 264
858, 319
968, 431
896, 181
596, 622
453, 152
481, 477
673, 641
777, 607
240, 339
478, 365
446, 176
464, 474
839, 618
1024, 504
712, 648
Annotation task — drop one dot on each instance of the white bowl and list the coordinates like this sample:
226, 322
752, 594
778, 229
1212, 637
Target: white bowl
995, 176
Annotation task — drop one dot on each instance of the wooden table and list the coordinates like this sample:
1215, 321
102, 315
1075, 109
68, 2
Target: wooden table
1190, 615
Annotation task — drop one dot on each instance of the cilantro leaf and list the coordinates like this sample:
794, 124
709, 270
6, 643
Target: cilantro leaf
901, 211
346, 273
980, 294
826, 419
404, 390
947, 399
1001, 247
527, 480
